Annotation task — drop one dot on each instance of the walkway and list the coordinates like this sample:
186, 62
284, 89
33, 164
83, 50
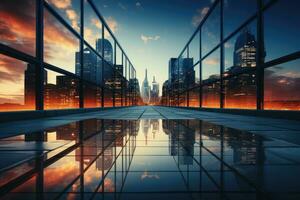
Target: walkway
150, 153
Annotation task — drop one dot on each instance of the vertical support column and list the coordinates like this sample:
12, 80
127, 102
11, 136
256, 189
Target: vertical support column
39, 67
260, 57
200, 69
122, 81
126, 88
81, 92
115, 74
129, 76
222, 91
102, 69
187, 81
178, 84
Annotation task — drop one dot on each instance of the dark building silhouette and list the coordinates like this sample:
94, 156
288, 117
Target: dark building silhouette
29, 85
241, 89
91, 71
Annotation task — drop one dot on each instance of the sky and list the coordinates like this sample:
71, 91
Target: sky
150, 32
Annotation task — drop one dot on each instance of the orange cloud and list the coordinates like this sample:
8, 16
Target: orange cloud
61, 4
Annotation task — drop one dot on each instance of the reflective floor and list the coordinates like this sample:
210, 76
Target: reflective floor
147, 159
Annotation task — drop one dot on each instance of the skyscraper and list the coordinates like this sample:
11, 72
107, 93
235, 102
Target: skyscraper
104, 44
29, 85
90, 67
173, 70
154, 98
146, 89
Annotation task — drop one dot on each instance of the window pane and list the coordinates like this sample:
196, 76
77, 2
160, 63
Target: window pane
17, 84
211, 67
236, 13
92, 96
92, 27
282, 28
194, 48
211, 95
211, 31
240, 51
60, 45
194, 97
17, 24
92, 65
240, 91
109, 47
69, 10
282, 86
61, 91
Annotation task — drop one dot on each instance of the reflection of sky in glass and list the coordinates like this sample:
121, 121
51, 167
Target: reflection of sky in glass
281, 27
211, 65
211, 31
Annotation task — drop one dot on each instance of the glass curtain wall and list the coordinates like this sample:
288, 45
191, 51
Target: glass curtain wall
56, 57
243, 55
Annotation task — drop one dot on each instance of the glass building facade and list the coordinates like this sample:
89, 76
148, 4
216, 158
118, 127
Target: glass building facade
61, 55
243, 55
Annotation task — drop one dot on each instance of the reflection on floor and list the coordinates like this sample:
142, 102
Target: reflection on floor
147, 159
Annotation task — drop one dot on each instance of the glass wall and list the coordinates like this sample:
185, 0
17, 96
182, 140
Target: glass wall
248, 53
75, 64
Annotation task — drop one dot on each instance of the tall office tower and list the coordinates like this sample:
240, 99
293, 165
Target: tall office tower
245, 50
173, 69
146, 89
154, 99
242, 87
103, 44
186, 72
89, 66
29, 85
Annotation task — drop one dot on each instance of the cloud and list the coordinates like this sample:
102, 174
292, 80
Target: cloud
146, 39
112, 23
211, 61
73, 17
61, 4
66, 7
199, 16
96, 22
122, 6
228, 45
138, 4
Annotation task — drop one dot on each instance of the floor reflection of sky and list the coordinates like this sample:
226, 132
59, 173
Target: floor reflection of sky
147, 159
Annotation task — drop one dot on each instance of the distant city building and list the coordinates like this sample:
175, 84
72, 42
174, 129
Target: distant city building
244, 60
146, 89
154, 93
104, 44
173, 70
29, 85
91, 70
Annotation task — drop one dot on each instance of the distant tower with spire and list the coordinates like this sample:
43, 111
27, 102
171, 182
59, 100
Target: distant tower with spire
146, 89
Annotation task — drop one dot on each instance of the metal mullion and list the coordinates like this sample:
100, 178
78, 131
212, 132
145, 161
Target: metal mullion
114, 74
81, 87
102, 68
200, 69
283, 59
39, 67
14, 53
260, 58
222, 54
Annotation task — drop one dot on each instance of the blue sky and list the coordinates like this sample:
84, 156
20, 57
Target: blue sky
151, 32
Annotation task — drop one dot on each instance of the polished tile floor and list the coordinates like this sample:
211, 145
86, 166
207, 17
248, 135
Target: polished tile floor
148, 158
